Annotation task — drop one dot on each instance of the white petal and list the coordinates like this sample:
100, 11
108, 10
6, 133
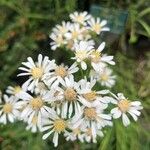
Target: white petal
55, 139
125, 120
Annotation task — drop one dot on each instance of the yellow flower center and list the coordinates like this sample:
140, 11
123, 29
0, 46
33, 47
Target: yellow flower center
59, 40
91, 96
124, 105
75, 34
7, 108
90, 113
89, 132
104, 77
97, 28
37, 72
59, 125
17, 89
36, 103
63, 30
81, 54
61, 71
95, 56
70, 44
70, 94
34, 120
76, 131
80, 18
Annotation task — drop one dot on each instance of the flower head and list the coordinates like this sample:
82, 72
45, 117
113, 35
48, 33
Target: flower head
124, 107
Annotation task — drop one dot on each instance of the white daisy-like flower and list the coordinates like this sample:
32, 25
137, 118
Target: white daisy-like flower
58, 40
15, 91
33, 125
75, 32
124, 107
60, 72
41, 88
55, 125
35, 106
74, 134
104, 77
10, 110
82, 53
98, 60
70, 91
35, 71
91, 98
92, 117
97, 26
62, 29
89, 136
80, 18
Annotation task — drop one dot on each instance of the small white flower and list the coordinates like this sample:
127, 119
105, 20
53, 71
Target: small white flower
80, 18
58, 40
82, 52
70, 91
91, 98
10, 110
75, 32
93, 118
33, 125
89, 136
97, 26
62, 29
15, 91
98, 60
60, 72
35, 71
125, 106
55, 125
35, 106
104, 77
74, 134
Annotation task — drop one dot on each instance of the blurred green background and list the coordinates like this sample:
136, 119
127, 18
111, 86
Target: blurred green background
25, 26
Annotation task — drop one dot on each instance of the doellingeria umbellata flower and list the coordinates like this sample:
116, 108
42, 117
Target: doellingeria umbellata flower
97, 26
80, 18
71, 101
124, 107
55, 125
35, 71
10, 109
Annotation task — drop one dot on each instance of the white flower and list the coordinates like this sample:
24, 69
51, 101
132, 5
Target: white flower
35, 71
62, 29
10, 110
55, 125
60, 72
97, 26
70, 91
80, 18
82, 52
15, 91
89, 136
98, 60
92, 117
33, 125
74, 134
35, 106
75, 32
104, 77
58, 40
125, 106
91, 98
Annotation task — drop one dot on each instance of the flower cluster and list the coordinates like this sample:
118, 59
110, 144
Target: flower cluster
54, 102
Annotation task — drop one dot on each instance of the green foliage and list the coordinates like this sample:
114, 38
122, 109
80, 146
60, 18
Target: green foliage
24, 30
